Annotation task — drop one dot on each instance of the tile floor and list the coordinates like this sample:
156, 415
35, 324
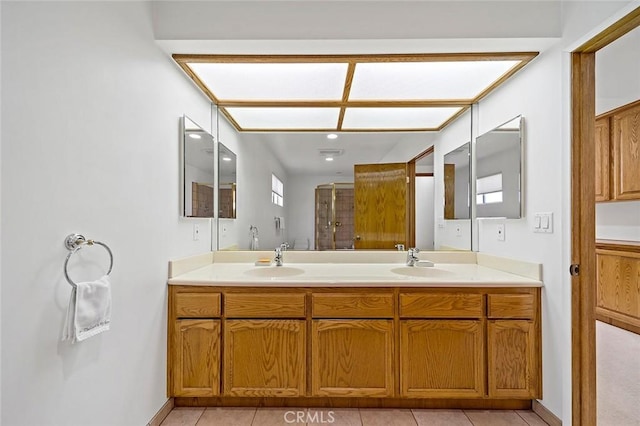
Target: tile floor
347, 417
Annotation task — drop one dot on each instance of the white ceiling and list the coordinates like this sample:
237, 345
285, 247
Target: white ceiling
299, 152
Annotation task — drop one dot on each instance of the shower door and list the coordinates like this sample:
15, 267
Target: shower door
334, 216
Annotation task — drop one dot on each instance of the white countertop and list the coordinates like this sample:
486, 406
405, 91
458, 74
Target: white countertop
351, 275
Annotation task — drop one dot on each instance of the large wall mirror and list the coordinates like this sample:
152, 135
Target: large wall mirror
198, 171
499, 171
226, 183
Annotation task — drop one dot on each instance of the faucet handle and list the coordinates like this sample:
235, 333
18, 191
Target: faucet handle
400, 247
414, 250
284, 246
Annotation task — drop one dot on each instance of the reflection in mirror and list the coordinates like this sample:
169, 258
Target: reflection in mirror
198, 170
498, 171
457, 174
424, 208
226, 183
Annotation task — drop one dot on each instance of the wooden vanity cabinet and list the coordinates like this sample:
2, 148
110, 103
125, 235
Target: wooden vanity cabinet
194, 342
352, 344
264, 344
442, 345
316, 344
617, 168
513, 340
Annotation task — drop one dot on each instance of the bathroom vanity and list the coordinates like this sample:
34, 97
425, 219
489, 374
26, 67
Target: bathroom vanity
354, 329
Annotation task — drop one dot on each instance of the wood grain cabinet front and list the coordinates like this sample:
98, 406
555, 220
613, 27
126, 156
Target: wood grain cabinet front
352, 358
441, 358
626, 154
195, 361
513, 359
617, 168
264, 358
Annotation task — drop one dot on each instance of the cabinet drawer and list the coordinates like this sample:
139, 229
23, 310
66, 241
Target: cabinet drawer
197, 305
440, 305
265, 305
510, 306
338, 305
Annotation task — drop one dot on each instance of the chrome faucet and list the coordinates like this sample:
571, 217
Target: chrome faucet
278, 257
284, 246
412, 257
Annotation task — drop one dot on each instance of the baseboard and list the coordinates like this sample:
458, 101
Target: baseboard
162, 413
546, 415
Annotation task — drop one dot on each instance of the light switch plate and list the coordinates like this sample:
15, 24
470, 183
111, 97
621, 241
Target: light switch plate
500, 231
543, 223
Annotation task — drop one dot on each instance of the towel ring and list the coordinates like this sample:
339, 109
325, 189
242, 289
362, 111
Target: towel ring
75, 242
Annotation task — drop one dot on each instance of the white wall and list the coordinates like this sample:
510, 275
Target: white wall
255, 164
0, 213
617, 84
618, 221
90, 144
301, 203
618, 73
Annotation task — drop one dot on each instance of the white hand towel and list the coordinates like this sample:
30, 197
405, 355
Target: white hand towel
281, 222
89, 311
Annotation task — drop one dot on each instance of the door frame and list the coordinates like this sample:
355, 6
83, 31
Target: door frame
583, 220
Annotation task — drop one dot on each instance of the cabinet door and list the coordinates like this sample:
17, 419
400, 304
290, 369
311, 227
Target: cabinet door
352, 358
626, 154
602, 159
195, 358
441, 358
513, 363
264, 358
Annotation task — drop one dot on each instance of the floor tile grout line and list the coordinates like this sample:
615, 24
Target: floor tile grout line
414, 417
468, 418
200, 416
255, 413
536, 414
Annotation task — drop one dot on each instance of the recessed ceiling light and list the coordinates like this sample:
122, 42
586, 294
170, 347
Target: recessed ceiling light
195, 136
328, 159
332, 136
226, 159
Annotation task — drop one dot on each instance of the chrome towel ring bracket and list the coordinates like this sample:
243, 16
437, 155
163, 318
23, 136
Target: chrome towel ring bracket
75, 242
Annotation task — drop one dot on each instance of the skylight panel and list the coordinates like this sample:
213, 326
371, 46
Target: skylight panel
425, 80
397, 118
273, 81
285, 118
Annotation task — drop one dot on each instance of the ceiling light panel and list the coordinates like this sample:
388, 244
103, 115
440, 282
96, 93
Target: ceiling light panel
285, 118
425, 80
273, 81
396, 118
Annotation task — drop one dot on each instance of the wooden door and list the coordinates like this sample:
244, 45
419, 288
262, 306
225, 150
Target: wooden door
449, 191
381, 206
264, 358
441, 358
352, 358
196, 358
511, 349
602, 159
626, 154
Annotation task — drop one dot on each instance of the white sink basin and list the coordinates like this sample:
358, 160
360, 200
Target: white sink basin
413, 271
274, 271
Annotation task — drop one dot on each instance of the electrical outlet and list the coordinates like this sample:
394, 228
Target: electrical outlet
458, 231
500, 231
196, 232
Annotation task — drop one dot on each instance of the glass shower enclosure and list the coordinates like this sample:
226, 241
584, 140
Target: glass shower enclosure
334, 216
